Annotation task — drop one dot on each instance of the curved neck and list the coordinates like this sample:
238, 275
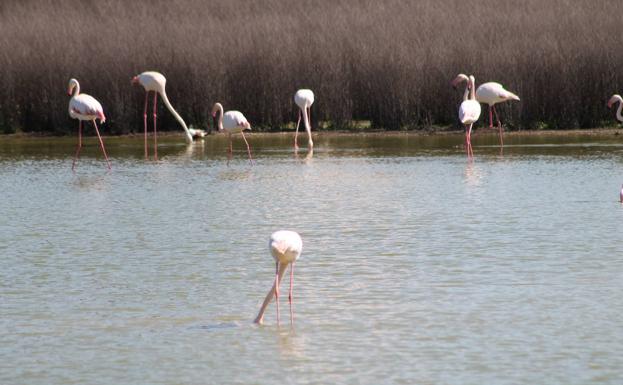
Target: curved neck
466, 93
472, 83
619, 115
76, 89
219, 106
163, 95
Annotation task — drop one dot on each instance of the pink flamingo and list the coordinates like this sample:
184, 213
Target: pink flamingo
285, 247
304, 99
156, 82
621, 195
84, 107
469, 110
492, 93
616, 99
232, 122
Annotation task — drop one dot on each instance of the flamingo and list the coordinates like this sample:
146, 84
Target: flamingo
232, 122
304, 99
617, 99
492, 93
285, 247
621, 195
84, 107
469, 111
156, 82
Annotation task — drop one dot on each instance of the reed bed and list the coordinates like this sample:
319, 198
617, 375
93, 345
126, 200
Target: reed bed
387, 62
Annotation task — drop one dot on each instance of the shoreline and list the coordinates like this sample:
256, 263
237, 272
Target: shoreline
337, 133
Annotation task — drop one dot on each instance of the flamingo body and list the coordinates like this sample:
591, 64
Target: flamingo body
617, 99
492, 93
86, 107
469, 111
304, 99
285, 246
234, 122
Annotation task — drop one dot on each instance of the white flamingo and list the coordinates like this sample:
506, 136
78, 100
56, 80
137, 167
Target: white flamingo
492, 93
617, 99
85, 107
469, 110
285, 247
232, 122
304, 99
156, 82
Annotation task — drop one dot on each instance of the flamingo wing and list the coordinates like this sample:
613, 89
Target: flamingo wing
87, 105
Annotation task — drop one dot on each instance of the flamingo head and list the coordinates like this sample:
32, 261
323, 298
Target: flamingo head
615, 98
135, 80
246, 125
73, 83
459, 79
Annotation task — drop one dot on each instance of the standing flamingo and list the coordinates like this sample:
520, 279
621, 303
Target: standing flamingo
492, 93
84, 107
469, 111
232, 122
617, 99
304, 99
156, 82
285, 247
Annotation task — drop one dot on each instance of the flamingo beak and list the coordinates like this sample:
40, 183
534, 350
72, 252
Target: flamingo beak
609, 103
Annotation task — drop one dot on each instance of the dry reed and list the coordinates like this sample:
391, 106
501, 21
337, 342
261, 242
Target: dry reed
389, 62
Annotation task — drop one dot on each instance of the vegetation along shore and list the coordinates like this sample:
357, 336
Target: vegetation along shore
388, 63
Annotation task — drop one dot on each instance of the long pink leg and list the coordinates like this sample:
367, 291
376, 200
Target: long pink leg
155, 133
101, 143
490, 117
296, 145
290, 296
73, 165
145, 122
277, 289
499, 126
471, 150
248, 148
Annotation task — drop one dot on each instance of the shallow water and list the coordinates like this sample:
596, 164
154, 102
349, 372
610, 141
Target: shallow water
418, 266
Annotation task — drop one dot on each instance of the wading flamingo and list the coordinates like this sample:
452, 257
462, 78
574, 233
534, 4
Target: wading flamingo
304, 99
84, 107
156, 82
232, 122
286, 247
469, 111
617, 99
492, 93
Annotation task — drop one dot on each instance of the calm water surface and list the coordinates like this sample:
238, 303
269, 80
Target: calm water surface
418, 266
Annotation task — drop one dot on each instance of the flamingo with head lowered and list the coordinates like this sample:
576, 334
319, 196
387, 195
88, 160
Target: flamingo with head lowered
286, 247
232, 122
469, 110
85, 107
156, 82
304, 99
616, 99
492, 93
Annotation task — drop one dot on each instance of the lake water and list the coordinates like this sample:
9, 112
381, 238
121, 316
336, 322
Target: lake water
417, 266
